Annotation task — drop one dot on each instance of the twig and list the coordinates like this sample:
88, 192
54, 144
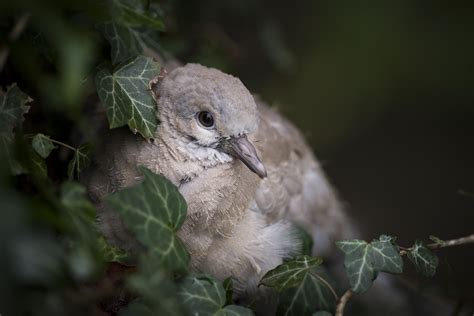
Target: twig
63, 144
433, 246
342, 302
443, 244
15, 33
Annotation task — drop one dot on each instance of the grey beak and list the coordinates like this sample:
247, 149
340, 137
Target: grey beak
243, 149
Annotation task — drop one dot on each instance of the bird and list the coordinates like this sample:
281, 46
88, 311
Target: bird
247, 174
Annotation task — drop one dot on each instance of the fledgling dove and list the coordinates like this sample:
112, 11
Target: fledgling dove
246, 173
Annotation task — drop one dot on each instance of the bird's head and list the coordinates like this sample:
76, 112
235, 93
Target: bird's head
211, 110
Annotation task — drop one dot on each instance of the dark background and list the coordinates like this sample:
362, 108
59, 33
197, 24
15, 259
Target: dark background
382, 90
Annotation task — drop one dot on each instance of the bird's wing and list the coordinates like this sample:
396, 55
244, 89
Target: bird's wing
296, 187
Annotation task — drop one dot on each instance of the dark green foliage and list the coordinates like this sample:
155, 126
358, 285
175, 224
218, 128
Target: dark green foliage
424, 259
301, 286
363, 261
154, 210
125, 92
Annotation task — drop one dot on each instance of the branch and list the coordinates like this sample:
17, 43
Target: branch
342, 302
433, 246
15, 33
443, 244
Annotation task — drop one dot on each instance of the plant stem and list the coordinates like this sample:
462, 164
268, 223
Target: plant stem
342, 302
63, 144
15, 33
443, 244
433, 246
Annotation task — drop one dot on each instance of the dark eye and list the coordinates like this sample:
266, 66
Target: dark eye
205, 119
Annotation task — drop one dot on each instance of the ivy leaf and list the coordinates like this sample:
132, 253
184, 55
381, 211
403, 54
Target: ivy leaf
312, 294
290, 273
363, 261
125, 93
424, 259
385, 256
136, 13
234, 310
80, 212
229, 290
12, 108
113, 254
307, 241
154, 210
358, 264
203, 295
157, 291
436, 239
39, 166
43, 145
124, 41
80, 161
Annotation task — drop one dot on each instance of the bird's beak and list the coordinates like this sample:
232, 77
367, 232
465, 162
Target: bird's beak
243, 149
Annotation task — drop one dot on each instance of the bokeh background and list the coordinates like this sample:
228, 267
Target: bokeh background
384, 92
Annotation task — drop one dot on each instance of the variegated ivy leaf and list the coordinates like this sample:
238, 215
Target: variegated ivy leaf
80, 161
424, 259
43, 145
125, 93
203, 295
290, 273
154, 210
12, 108
125, 42
363, 261
312, 294
385, 256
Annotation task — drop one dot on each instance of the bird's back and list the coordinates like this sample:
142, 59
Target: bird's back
296, 187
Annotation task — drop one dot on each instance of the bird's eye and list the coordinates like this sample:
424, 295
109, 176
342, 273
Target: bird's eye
205, 119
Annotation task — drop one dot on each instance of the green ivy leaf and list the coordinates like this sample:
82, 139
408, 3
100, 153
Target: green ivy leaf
154, 210
363, 261
312, 294
385, 256
290, 273
125, 42
307, 241
156, 289
436, 239
80, 211
136, 13
424, 259
80, 161
203, 295
234, 310
43, 145
125, 93
113, 254
12, 108
229, 290
38, 164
